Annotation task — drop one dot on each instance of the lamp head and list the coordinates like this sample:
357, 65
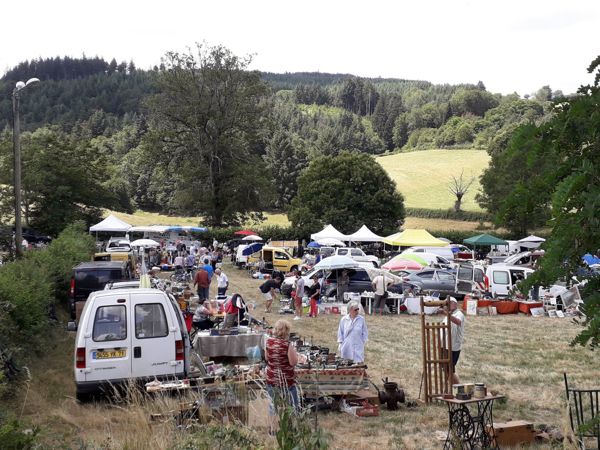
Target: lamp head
20, 85
32, 80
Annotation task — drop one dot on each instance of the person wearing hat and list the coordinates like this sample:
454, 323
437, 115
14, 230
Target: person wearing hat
457, 319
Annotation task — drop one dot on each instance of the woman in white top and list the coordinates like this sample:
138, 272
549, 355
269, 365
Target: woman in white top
353, 334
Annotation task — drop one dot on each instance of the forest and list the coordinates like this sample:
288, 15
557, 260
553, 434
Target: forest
114, 136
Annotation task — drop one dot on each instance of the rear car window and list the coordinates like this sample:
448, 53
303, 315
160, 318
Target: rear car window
93, 278
445, 276
110, 324
150, 321
500, 277
465, 273
360, 275
342, 251
356, 252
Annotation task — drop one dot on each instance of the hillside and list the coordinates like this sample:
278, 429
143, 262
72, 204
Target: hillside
423, 177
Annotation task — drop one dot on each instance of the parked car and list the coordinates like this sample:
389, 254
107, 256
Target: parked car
130, 334
357, 255
501, 279
359, 281
497, 280
445, 252
276, 258
434, 280
525, 259
118, 245
92, 276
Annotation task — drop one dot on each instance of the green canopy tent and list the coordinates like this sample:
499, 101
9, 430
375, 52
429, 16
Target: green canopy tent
485, 239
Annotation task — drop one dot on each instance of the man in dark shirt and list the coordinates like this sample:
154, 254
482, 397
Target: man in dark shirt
268, 289
202, 282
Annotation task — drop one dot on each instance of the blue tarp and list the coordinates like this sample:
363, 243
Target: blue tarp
590, 259
187, 229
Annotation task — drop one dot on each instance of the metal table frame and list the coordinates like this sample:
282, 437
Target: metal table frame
467, 429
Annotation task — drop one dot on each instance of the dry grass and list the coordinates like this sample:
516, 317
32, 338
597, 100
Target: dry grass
519, 356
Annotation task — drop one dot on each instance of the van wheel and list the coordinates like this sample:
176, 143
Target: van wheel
375, 265
294, 268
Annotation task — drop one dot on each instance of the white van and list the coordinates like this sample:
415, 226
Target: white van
497, 280
445, 252
501, 279
356, 254
129, 334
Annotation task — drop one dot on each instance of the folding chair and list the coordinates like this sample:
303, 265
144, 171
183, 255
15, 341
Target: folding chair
584, 413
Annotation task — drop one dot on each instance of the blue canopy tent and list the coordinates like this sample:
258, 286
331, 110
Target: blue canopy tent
187, 229
313, 244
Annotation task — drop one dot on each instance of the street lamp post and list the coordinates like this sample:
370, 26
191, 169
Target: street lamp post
17, 163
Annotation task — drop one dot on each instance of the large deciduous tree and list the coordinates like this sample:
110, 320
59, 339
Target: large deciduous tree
348, 191
564, 155
63, 180
208, 125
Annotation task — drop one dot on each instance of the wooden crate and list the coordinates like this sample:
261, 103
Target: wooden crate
514, 432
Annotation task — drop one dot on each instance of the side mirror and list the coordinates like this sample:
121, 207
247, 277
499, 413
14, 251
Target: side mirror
72, 326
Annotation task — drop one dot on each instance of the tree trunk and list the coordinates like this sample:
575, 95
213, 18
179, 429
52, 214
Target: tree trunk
457, 203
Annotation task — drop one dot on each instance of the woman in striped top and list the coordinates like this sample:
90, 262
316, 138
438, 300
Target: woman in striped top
281, 358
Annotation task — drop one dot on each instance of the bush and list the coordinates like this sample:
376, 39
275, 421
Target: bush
72, 246
29, 288
14, 437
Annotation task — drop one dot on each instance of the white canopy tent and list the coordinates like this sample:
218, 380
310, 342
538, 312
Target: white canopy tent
329, 232
363, 234
111, 224
531, 241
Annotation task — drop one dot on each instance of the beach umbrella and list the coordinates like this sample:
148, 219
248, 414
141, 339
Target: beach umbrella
336, 262
244, 233
402, 264
146, 243
413, 257
313, 244
252, 237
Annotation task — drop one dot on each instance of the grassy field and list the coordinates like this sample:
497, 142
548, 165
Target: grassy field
520, 356
423, 177
145, 218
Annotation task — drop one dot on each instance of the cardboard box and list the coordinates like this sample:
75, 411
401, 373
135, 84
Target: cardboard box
514, 432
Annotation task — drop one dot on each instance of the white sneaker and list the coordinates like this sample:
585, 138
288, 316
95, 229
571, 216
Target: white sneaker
297, 318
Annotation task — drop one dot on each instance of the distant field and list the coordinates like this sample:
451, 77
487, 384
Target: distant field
146, 218
423, 177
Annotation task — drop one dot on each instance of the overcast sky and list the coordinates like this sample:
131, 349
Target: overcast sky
510, 45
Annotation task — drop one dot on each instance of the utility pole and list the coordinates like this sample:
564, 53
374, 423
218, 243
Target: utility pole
17, 164
17, 173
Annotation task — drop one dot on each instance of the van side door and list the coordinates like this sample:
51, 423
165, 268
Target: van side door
500, 282
153, 337
281, 261
107, 339
464, 279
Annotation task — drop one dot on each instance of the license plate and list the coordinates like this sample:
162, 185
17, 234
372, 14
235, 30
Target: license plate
108, 354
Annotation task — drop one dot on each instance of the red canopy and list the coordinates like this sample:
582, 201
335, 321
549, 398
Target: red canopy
245, 233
